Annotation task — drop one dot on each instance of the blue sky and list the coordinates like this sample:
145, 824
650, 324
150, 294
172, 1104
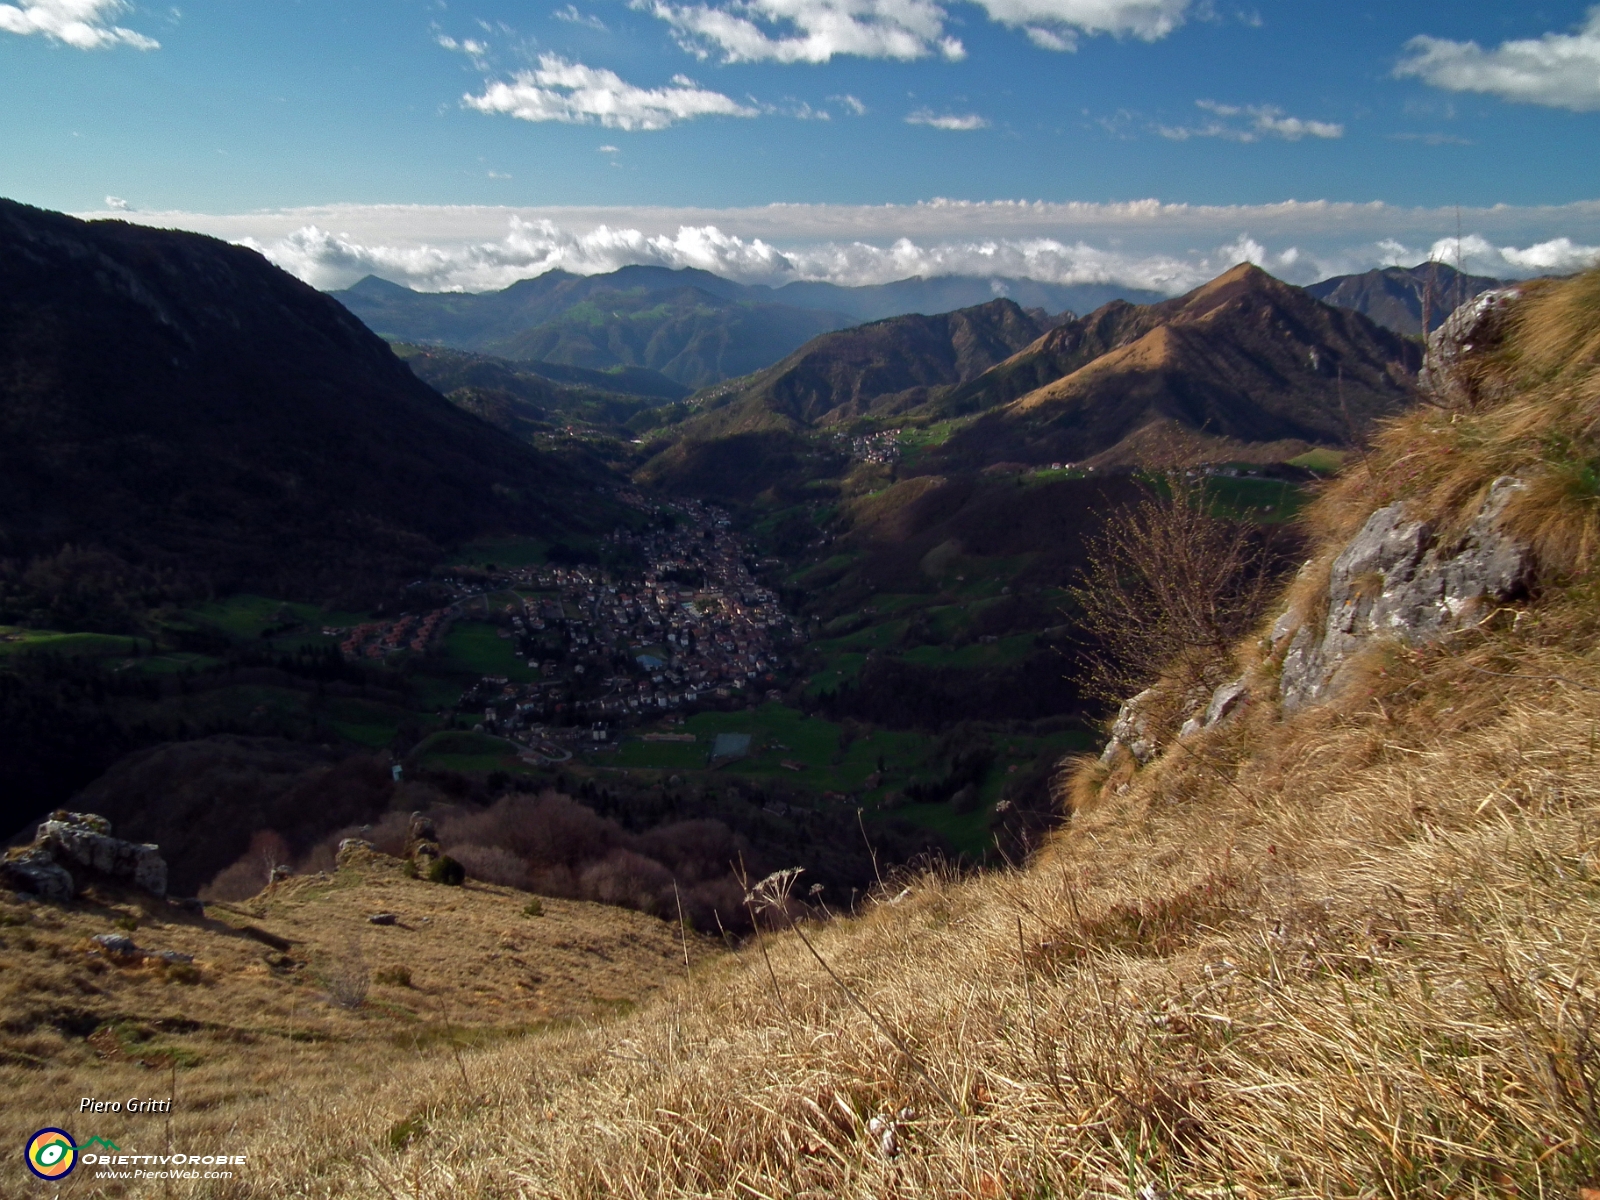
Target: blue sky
641, 115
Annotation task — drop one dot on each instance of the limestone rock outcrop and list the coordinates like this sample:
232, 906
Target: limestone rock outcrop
1396, 579
1132, 730
70, 848
1480, 324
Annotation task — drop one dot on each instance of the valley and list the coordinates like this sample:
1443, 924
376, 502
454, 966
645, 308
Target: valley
827, 606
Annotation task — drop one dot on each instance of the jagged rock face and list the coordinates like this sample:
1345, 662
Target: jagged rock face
1396, 580
83, 840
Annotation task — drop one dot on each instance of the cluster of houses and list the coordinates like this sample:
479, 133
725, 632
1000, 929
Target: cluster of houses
692, 627
378, 639
881, 447
686, 624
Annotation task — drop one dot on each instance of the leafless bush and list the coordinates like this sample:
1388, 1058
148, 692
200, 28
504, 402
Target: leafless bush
1170, 586
493, 864
548, 829
348, 978
627, 878
553, 845
253, 869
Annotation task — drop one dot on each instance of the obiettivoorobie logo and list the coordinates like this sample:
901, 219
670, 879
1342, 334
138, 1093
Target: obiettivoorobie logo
52, 1154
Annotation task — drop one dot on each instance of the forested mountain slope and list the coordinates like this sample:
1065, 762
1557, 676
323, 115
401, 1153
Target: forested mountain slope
185, 407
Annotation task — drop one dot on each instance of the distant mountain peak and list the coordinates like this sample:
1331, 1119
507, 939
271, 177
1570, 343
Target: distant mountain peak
1404, 298
1243, 359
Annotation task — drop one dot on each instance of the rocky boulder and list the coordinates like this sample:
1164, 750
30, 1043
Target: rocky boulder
71, 847
1447, 376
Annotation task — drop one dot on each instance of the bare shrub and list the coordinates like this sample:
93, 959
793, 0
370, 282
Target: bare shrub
694, 850
630, 879
547, 829
252, 871
1170, 586
348, 977
556, 846
492, 864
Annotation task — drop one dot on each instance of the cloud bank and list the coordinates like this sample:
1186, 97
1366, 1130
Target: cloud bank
1164, 247
578, 95
84, 24
1055, 24
1561, 70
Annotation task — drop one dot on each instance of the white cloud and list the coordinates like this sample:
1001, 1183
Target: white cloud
573, 93
850, 104
608, 150
1055, 24
84, 24
1142, 243
1259, 121
1478, 255
1432, 139
790, 31
475, 50
817, 30
117, 204
1561, 70
571, 15
925, 117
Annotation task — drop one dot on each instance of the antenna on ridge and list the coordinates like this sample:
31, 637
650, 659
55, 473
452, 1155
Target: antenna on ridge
1459, 285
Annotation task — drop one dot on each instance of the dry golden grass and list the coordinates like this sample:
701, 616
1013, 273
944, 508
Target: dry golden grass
250, 1027
1537, 417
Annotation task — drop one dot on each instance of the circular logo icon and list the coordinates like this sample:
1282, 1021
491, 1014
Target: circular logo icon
52, 1154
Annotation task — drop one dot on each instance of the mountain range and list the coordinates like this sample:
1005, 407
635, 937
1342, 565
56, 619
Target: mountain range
523, 399
692, 326
184, 406
1245, 367
887, 366
1246, 358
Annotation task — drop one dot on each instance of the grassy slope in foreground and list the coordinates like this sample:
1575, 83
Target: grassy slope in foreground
251, 1027
1345, 953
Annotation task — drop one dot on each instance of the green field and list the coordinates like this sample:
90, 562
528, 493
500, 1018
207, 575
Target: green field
456, 750
1269, 501
1321, 460
975, 655
72, 645
503, 552
476, 648
247, 616
364, 722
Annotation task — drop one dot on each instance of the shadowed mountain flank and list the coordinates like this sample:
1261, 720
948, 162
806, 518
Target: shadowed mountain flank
888, 366
188, 407
691, 326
